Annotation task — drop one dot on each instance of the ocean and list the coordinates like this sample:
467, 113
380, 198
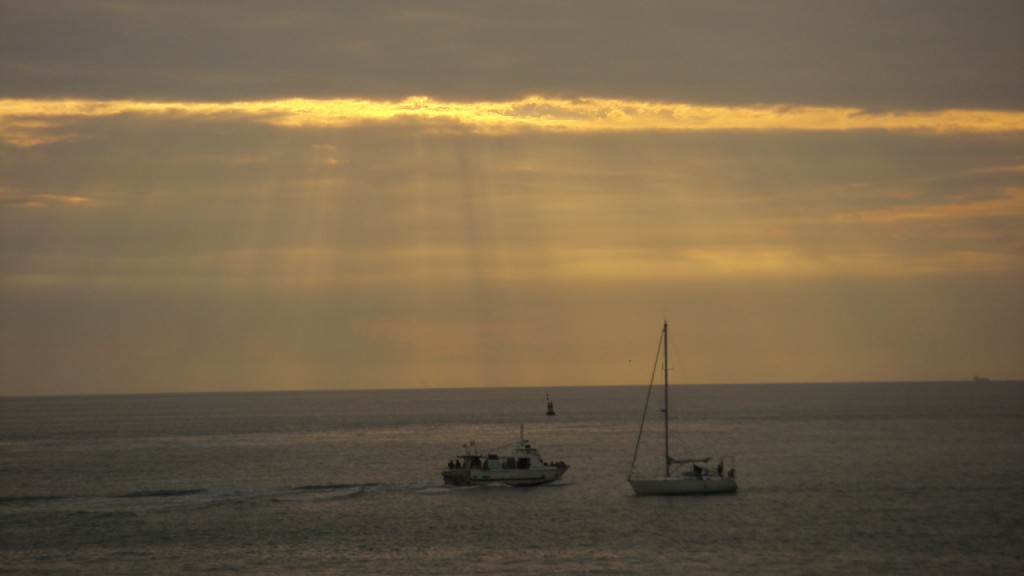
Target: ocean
877, 478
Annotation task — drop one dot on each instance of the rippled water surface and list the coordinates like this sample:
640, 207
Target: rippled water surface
899, 478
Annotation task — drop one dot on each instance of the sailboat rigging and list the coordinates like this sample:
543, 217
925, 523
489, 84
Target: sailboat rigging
693, 475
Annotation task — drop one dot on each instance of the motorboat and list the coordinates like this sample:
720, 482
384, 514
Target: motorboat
521, 465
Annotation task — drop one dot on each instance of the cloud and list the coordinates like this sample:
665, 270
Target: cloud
35, 122
23, 200
1008, 205
913, 55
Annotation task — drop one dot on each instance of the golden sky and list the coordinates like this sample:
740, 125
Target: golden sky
384, 206
30, 122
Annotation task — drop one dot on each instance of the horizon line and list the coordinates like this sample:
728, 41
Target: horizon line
5, 396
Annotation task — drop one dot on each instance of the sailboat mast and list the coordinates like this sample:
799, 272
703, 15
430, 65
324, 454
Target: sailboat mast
664, 338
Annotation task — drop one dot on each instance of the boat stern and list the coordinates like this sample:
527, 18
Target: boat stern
456, 477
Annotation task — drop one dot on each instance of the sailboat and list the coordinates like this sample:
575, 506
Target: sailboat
682, 476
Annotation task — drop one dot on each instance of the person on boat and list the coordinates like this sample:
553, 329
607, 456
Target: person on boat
720, 468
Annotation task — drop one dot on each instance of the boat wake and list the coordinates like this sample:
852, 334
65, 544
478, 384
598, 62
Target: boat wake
449, 489
142, 501
168, 499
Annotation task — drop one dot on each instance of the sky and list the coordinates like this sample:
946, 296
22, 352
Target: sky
255, 195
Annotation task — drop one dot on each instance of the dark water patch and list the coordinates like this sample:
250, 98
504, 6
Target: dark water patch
330, 487
29, 499
101, 513
161, 493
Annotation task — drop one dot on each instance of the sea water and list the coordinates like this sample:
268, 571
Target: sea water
880, 478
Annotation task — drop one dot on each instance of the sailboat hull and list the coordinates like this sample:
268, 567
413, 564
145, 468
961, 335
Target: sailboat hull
682, 485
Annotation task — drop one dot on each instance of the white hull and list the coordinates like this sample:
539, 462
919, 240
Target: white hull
682, 485
479, 477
